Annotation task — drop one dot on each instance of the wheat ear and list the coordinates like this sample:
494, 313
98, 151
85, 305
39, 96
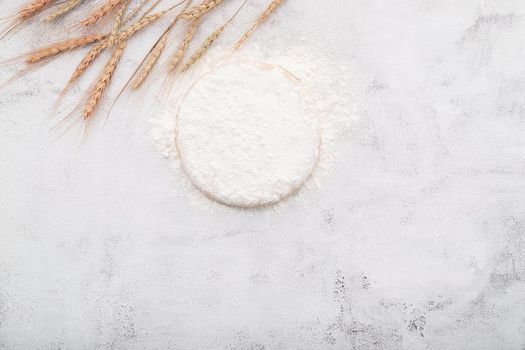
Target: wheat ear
117, 23
33, 8
204, 47
100, 12
210, 40
137, 26
27, 12
60, 47
64, 9
152, 59
90, 57
179, 54
97, 91
199, 10
153, 56
262, 18
96, 50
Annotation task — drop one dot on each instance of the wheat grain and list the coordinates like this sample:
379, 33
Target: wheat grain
100, 12
64, 9
60, 47
97, 91
262, 18
179, 54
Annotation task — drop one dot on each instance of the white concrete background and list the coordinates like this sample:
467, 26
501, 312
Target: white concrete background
415, 241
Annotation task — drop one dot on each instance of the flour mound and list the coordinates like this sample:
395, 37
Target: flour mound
245, 137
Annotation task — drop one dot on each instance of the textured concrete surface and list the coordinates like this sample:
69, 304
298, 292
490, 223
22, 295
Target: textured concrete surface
415, 241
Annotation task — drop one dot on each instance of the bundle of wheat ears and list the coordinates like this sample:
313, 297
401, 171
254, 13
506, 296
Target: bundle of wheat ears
128, 17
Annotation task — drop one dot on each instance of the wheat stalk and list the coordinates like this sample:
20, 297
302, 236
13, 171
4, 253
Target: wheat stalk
100, 12
179, 54
199, 10
60, 47
97, 91
262, 18
64, 9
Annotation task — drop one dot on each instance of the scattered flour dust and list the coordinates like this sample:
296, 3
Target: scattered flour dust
250, 134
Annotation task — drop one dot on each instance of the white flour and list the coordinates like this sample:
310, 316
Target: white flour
249, 136
250, 144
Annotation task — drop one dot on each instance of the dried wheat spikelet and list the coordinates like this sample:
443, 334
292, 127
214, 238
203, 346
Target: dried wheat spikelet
262, 18
137, 26
97, 91
86, 62
33, 8
60, 47
90, 57
152, 59
100, 12
203, 48
179, 54
199, 10
124, 26
153, 56
117, 23
209, 41
96, 50
64, 9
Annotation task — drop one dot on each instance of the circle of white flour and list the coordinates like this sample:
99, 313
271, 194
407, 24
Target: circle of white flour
245, 137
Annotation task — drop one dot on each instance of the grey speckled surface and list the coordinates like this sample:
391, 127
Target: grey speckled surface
416, 240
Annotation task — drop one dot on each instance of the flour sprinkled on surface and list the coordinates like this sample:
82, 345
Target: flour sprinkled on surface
252, 134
